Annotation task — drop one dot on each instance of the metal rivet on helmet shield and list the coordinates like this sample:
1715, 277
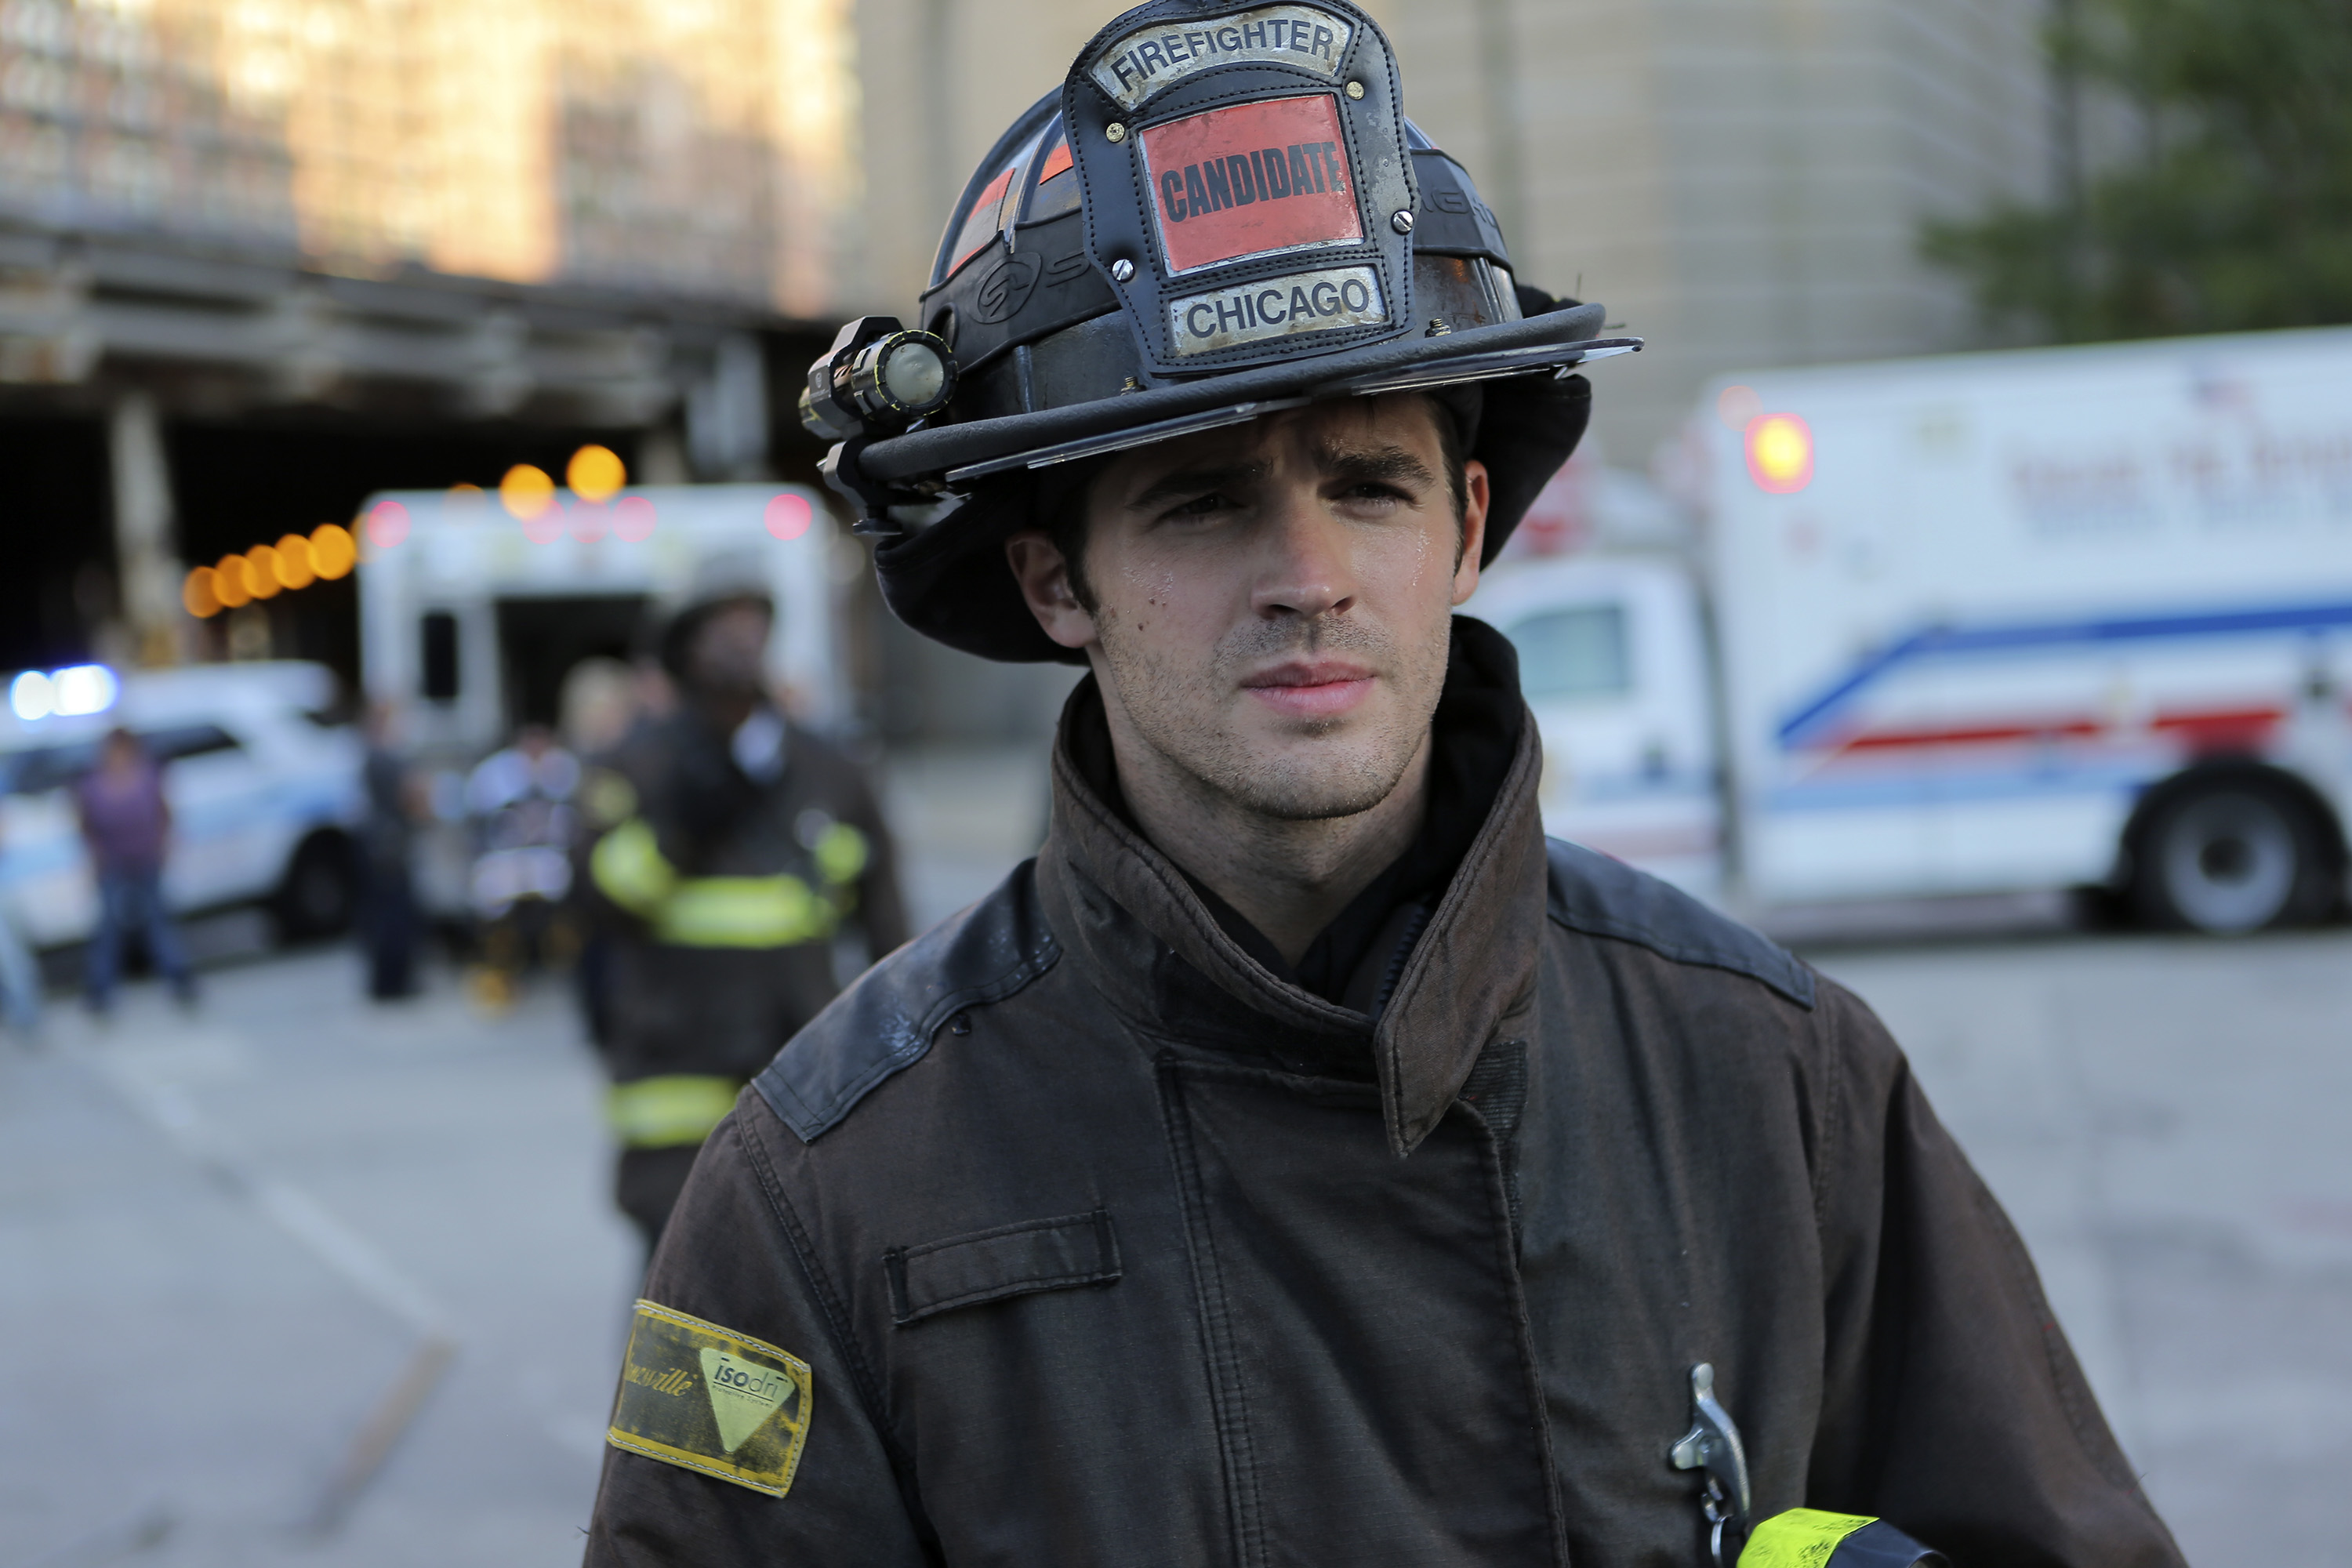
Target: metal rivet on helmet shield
1401, 222
1115, 130
1122, 269
1355, 89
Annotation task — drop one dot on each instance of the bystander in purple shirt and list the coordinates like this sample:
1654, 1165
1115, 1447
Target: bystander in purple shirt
128, 826
123, 816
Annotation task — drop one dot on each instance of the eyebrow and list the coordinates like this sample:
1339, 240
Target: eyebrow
1371, 463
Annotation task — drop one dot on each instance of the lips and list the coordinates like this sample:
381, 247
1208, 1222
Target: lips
1311, 689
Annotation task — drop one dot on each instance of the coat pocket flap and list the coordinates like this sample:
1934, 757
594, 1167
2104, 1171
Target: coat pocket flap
989, 1265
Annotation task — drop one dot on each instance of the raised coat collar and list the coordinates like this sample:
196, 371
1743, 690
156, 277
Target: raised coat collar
1122, 908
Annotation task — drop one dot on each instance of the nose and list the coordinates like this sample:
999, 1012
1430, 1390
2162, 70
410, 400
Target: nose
1305, 569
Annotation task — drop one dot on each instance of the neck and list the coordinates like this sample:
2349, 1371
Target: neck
1289, 877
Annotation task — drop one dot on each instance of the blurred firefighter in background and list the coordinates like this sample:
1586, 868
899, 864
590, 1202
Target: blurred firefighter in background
521, 801
388, 919
729, 850
602, 702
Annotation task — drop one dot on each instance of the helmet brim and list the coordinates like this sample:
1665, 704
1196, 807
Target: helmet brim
952, 583
959, 455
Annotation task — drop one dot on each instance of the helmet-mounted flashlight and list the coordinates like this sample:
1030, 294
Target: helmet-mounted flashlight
878, 378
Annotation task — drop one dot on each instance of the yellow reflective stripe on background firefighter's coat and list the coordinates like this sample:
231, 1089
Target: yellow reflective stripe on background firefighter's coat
707, 1398
841, 853
742, 912
782, 911
670, 1111
1801, 1538
628, 868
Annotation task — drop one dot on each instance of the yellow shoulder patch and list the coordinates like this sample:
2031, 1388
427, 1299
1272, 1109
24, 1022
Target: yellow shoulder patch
709, 1399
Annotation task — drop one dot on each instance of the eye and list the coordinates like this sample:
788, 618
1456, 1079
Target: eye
1208, 505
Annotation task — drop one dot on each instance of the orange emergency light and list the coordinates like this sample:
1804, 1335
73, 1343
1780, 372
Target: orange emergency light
1779, 453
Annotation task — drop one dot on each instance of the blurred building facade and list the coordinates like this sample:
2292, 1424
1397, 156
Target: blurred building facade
1741, 182
259, 256
701, 146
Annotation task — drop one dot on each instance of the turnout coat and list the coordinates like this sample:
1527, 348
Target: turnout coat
1104, 1247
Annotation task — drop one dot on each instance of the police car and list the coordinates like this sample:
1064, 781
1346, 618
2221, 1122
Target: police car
264, 784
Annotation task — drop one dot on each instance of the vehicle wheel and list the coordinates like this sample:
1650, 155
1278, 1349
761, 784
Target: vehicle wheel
320, 892
2231, 856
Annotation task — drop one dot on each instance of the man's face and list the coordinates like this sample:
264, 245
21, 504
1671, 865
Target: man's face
1272, 601
726, 649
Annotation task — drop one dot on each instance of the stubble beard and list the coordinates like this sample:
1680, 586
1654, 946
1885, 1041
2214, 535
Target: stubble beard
1348, 766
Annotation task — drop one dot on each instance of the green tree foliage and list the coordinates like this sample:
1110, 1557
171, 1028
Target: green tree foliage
2236, 211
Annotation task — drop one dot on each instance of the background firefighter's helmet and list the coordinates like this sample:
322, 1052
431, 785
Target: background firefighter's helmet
1221, 212
725, 577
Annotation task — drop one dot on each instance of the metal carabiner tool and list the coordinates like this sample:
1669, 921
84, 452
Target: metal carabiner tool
1713, 1446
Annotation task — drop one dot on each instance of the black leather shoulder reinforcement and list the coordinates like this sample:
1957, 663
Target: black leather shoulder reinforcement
1600, 897
884, 1023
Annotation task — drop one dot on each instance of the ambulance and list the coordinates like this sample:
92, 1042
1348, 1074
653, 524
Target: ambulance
2070, 618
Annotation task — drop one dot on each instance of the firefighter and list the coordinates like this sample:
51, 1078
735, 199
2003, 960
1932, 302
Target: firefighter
730, 848
1302, 1160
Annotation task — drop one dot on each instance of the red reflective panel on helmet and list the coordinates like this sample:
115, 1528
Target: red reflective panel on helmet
1057, 184
981, 225
1254, 178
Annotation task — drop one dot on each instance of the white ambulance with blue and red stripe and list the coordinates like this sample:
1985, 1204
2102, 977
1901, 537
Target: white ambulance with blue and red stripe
2070, 618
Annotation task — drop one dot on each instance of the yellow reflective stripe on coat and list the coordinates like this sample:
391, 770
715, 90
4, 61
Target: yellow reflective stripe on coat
1801, 1538
669, 1112
742, 912
841, 853
628, 868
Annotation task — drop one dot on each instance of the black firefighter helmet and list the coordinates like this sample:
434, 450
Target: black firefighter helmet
1223, 213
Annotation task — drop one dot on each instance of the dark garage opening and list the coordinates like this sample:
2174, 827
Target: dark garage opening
58, 581
541, 639
239, 486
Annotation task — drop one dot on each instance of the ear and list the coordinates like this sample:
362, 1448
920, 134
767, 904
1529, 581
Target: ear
1045, 578
1477, 495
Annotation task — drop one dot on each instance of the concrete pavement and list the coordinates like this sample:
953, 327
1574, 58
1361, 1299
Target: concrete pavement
2165, 1120
226, 1240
